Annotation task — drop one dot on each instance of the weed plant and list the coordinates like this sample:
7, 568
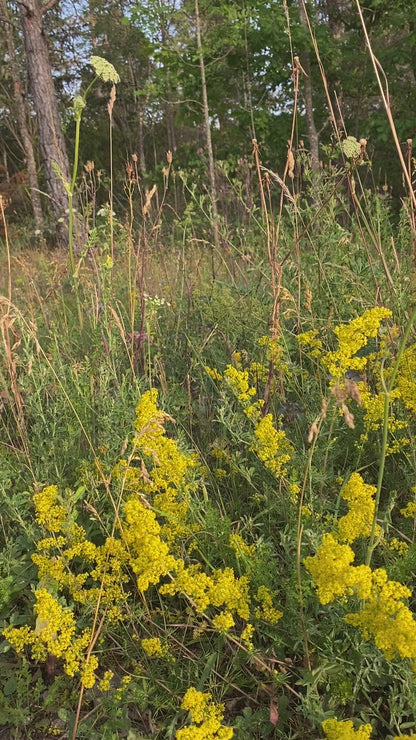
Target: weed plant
207, 473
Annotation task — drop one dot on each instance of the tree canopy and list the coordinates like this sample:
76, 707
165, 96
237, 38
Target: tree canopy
249, 50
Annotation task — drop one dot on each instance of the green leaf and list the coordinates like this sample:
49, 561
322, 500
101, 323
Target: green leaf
10, 686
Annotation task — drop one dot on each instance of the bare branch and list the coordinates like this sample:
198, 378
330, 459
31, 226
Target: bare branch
44, 9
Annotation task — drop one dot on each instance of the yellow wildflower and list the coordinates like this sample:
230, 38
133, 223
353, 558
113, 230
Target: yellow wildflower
259, 372
385, 618
309, 339
333, 573
213, 373
122, 688
398, 546
153, 647
241, 549
192, 582
247, 635
48, 512
223, 621
229, 591
238, 380
267, 612
272, 446
337, 730
352, 337
405, 381
409, 511
105, 682
360, 498
54, 633
88, 672
150, 558
207, 715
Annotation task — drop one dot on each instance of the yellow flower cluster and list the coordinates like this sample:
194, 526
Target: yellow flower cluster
398, 546
207, 717
241, 549
149, 554
373, 404
267, 612
238, 380
386, 619
169, 463
153, 647
333, 573
383, 617
310, 339
223, 621
352, 337
360, 499
105, 683
272, 446
49, 513
88, 672
405, 381
259, 372
274, 349
54, 634
409, 511
335, 730
163, 469
247, 636
222, 589
213, 373
88, 574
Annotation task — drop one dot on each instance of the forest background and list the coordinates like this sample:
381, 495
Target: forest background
248, 87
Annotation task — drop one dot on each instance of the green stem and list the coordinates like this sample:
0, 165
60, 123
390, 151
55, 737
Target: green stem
71, 190
78, 116
383, 454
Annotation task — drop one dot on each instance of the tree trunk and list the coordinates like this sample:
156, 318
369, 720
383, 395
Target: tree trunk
52, 143
308, 97
207, 129
21, 114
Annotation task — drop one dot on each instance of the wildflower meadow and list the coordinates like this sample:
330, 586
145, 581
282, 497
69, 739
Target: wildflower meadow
207, 479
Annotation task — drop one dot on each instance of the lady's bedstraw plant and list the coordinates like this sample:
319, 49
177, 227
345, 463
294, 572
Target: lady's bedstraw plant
154, 537
206, 716
270, 443
383, 616
393, 384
